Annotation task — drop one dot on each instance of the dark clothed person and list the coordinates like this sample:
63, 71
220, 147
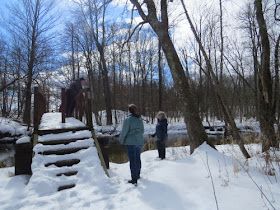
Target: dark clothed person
71, 95
161, 134
132, 137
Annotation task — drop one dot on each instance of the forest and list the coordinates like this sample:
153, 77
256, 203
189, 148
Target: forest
204, 60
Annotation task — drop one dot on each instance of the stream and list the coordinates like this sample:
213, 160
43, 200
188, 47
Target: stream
117, 152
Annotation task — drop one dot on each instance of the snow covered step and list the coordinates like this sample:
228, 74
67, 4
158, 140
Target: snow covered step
61, 163
62, 130
65, 136
62, 141
80, 143
62, 151
69, 173
64, 187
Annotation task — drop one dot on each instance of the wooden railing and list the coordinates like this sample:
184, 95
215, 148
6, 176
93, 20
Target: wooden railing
39, 110
24, 151
82, 106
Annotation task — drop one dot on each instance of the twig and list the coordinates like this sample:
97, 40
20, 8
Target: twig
212, 181
226, 168
204, 163
254, 182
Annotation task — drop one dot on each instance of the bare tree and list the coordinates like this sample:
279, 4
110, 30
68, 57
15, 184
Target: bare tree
31, 22
218, 88
94, 13
195, 128
267, 109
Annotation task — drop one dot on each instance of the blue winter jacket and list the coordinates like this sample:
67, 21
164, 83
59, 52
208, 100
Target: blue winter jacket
132, 131
161, 129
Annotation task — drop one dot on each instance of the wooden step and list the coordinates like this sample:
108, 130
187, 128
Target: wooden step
64, 130
62, 163
62, 151
62, 141
64, 187
69, 173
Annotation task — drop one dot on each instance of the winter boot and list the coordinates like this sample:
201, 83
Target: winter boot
133, 181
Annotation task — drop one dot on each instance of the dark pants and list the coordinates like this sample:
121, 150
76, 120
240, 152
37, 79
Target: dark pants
134, 152
161, 148
70, 103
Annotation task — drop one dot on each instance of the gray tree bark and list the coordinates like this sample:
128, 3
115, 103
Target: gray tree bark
195, 128
218, 89
267, 114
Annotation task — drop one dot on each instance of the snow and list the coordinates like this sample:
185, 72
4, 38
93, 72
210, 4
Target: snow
181, 181
53, 121
174, 127
25, 139
11, 127
66, 135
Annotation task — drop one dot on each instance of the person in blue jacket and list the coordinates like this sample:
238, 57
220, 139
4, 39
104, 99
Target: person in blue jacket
132, 137
161, 134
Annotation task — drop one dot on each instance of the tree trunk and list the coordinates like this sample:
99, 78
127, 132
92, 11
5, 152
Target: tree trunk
195, 128
106, 86
218, 90
31, 62
27, 108
276, 66
196, 131
159, 78
267, 115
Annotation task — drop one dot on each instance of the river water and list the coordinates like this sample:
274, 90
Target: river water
117, 152
7, 152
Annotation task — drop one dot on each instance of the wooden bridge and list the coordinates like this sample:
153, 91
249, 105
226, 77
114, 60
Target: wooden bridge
58, 143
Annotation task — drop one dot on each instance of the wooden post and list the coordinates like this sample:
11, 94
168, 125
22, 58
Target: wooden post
104, 146
99, 152
36, 116
23, 158
36, 109
89, 111
63, 105
90, 125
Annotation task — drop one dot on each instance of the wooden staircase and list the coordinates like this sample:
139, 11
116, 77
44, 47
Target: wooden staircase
61, 152
63, 148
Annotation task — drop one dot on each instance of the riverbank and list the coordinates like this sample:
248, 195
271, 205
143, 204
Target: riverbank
207, 179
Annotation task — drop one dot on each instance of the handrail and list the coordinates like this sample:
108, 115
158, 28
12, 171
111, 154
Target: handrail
39, 110
82, 106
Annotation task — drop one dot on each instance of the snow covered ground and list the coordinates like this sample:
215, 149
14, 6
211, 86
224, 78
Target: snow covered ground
182, 181
204, 180
174, 126
9, 126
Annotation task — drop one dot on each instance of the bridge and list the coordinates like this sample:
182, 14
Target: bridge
60, 146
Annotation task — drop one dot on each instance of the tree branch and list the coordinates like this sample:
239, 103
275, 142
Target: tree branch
139, 9
130, 35
275, 12
9, 84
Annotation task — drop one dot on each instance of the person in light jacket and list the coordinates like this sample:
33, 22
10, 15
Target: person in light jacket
132, 137
161, 134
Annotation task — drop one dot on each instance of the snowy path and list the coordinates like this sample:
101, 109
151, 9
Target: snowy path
180, 182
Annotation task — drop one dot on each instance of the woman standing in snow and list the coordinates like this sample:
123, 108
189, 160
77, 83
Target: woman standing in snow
132, 137
161, 133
